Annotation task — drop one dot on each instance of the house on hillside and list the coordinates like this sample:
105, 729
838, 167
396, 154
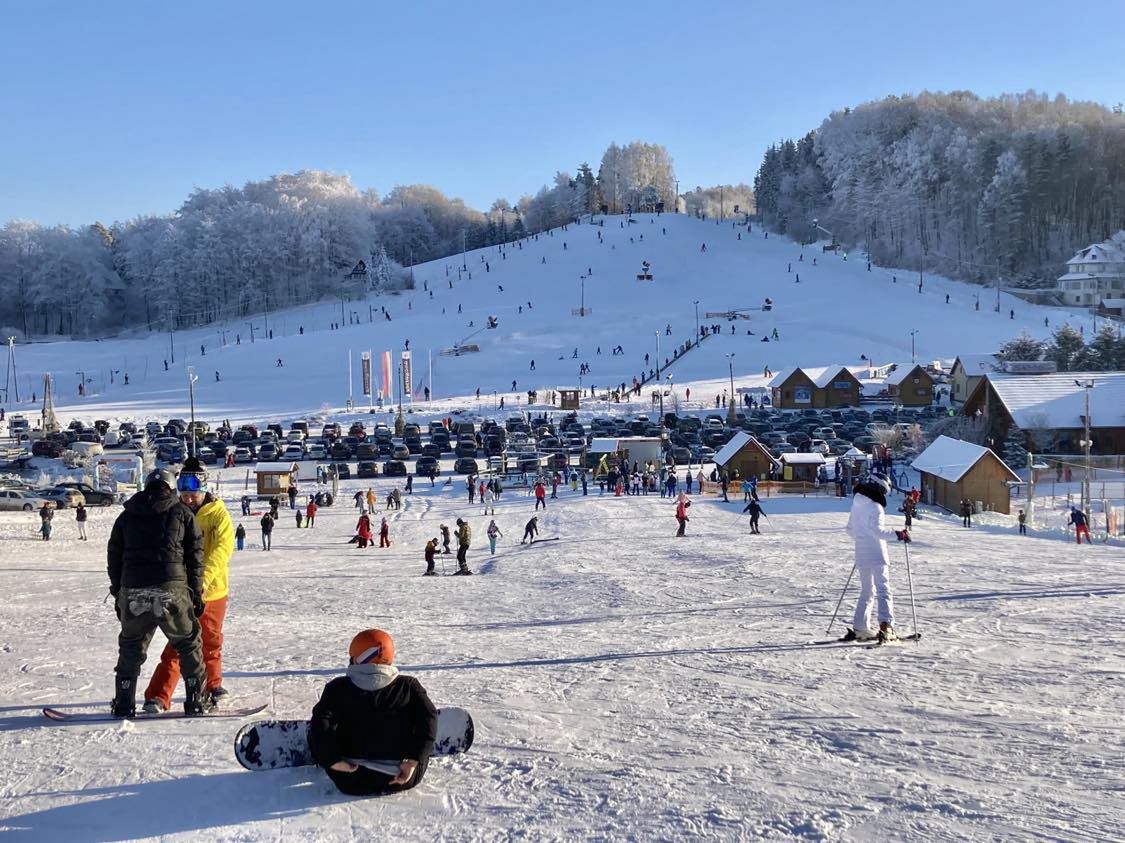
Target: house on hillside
1049, 410
1095, 273
953, 470
815, 388
744, 456
966, 373
910, 385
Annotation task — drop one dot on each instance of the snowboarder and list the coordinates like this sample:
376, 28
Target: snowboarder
155, 556
218, 546
1081, 524
530, 530
240, 537
431, 550
373, 712
267, 530
464, 537
80, 517
868, 529
755, 510
493, 534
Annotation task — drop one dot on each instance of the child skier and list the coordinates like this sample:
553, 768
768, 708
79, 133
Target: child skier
755, 510
373, 713
493, 534
431, 551
445, 538
384, 534
682, 516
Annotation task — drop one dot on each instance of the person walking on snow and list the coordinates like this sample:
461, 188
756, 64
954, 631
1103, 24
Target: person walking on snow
310, 513
218, 546
384, 534
867, 527
966, 513
80, 518
1081, 524
540, 495
373, 712
530, 530
240, 537
267, 530
493, 534
363, 531
1023, 523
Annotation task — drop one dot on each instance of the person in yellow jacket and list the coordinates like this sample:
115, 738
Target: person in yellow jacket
218, 547
464, 537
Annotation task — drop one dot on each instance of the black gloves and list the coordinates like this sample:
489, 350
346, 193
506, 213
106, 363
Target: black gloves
903, 536
197, 604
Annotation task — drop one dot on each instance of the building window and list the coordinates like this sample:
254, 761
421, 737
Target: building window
802, 395
921, 392
845, 385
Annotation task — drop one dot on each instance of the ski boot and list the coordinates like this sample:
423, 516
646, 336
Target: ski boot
430, 573
124, 702
858, 635
153, 707
462, 572
197, 701
886, 633
218, 693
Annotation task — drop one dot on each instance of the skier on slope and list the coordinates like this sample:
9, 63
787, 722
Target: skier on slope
868, 529
1081, 524
445, 538
155, 564
531, 530
430, 552
464, 537
755, 510
376, 713
682, 516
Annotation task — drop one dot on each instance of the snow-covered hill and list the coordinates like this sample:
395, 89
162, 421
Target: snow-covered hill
838, 311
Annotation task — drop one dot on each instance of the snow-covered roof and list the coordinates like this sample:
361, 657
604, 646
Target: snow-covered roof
275, 467
1057, 401
803, 459
1113, 303
1108, 251
733, 446
977, 364
853, 453
822, 376
950, 458
900, 374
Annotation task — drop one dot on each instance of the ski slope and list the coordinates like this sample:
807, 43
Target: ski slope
626, 684
837, 312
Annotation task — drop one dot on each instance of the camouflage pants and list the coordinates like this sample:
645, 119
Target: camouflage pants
166, 607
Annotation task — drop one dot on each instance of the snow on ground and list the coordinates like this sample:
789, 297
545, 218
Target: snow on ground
837, 312
626, 684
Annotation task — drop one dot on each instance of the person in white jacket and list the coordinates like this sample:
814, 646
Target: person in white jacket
868, 529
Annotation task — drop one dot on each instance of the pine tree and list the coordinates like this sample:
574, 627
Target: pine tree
1023, 347
1105, 352
1065, 348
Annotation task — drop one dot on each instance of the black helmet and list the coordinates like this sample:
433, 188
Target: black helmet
161, 475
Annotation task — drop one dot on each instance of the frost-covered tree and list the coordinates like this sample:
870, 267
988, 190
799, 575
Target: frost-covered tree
1023, 347
1066, 348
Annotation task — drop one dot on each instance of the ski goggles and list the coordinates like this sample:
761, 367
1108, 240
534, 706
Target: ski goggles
191, 483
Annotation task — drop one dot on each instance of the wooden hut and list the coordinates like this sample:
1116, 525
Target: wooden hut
275, 478
953, 470
744, 456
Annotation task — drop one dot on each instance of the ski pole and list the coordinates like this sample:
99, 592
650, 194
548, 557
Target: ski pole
840, 601
910, 584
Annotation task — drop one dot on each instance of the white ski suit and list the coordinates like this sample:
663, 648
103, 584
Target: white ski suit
867, 527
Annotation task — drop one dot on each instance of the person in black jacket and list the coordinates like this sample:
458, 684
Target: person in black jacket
375, 714
755, 510
155, 563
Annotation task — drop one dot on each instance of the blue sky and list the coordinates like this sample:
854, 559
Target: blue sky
112, 110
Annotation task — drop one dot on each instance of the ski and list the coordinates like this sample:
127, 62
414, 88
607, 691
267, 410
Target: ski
104, 716
916, 636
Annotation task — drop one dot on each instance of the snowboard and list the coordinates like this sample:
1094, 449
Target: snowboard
60, 716
273, 744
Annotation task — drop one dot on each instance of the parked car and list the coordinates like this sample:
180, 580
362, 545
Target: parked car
466, 448
19, 499
394, 468
466, 465
400, 452
293, 451
819, 446
63, 498
343, 470
317, 452
267, 451
426, 465
242, 455
367, 468
93, 496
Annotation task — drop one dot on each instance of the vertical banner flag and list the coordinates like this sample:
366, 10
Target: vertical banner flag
388, 379
365, 368
406, 373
